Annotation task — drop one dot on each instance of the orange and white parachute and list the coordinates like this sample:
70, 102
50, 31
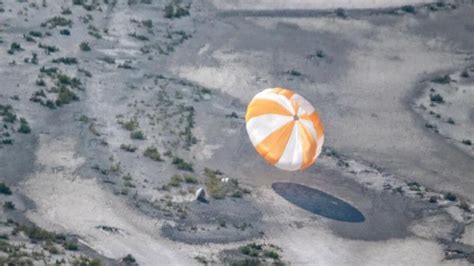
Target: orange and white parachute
284, 128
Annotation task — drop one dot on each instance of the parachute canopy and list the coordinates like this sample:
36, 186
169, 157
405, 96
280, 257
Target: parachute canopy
284, 128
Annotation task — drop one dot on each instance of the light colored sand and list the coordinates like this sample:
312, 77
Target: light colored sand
312, 4
468, 236
312, 243
363, 102
70, 203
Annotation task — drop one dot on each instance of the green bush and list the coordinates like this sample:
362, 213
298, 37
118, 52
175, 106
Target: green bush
129, 259
85, 46
69, 245
190, 179
128, 148
137, 135
15, 47
175, 9
152, 153
8, 205
4, 189
450, 196
131, 124
65, 96
24, 127
65, 32
175, 180
437, 98
65, 60
182, 165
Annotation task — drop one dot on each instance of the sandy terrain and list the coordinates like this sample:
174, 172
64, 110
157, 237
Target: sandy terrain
158, 107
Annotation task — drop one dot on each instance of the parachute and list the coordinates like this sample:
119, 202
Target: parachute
284, 129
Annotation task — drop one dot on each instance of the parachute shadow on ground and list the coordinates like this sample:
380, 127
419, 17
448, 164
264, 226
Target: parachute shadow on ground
318, 202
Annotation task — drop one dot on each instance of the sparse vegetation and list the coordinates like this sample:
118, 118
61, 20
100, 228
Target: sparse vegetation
129, 259
4, 189
449, 196
408, 9
152, 153
65, 32
465, 206
175, 180
220, 187
8, 205
65, 60
130, 125
139, 135
446, 79
65, 96
84, 46
182, 164
190, 179
436, 98
57, 21
48, 49
175, 9
128, 147
15, 47
24, 126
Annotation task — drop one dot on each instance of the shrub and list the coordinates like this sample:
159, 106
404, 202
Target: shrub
38, 234
85, 46
24, 127
137, 135
65, 96
131, 124
450, 196
4, 189
147, 23
129, 259
408, 9
37, 34
65, 60
182, 165
446, 79
271, 254
433, 199
152, 153
437, 98
175, 180
190, 179
340, 12
15, 47
251, 249
466, 142
48, 48
65, 32
8, 205
174, 9
465, 206
58, 21
128, 148
7, 112
69, 245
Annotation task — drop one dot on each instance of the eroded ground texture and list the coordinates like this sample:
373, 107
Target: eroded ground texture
115, 112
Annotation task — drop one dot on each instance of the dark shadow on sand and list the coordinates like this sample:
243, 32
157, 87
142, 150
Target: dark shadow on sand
318, 202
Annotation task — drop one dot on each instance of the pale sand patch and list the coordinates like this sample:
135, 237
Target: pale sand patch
69, 203
306, 241
468, 236
311, 4
434, 227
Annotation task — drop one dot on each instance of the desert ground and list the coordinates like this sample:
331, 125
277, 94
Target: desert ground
115, 112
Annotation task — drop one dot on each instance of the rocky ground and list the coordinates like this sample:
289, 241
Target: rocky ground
114, 113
